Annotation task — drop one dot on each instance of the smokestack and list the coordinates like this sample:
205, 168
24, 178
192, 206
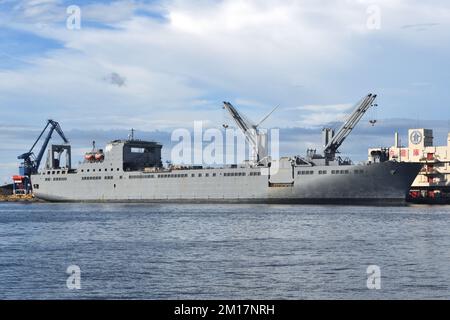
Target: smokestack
396, 142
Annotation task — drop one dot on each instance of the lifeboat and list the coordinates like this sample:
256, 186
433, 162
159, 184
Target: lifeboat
99, 156
18, 179
89, 157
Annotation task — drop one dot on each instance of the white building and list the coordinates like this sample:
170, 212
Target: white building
434, 179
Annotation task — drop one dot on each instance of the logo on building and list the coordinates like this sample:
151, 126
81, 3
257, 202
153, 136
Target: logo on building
416, 137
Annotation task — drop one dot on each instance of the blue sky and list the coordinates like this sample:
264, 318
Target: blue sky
178, 60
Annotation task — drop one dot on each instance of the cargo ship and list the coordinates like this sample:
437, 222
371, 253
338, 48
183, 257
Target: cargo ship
131, 170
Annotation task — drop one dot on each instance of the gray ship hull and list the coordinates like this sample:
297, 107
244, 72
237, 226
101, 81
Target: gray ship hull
378, 183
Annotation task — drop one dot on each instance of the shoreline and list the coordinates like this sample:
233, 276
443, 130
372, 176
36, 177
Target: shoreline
13, 198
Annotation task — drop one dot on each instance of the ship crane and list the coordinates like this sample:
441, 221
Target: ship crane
333, 142
256, 139
31, 162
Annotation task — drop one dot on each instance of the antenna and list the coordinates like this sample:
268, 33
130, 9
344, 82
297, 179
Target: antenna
131, 135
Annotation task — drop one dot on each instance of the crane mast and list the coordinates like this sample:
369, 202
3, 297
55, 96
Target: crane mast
333, 142
31, 162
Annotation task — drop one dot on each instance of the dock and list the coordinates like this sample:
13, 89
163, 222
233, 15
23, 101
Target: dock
18, 198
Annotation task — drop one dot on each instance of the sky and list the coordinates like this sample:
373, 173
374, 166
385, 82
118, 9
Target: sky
160, 65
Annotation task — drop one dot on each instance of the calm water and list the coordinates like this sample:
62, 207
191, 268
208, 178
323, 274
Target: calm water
223, 251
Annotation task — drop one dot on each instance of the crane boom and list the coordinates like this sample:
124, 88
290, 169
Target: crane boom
257, 139
361, 108
31, 162
247, 128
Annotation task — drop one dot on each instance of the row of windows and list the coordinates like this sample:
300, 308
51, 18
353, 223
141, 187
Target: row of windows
82, 170
193, 175
99, 170
179, 175
201, 175
340, 172
100, 178
230, 174
234, 174
357, 171
309, 172
55, 172
147, 176
91, 178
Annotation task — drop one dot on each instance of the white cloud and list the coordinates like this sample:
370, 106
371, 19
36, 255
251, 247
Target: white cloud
179, 70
